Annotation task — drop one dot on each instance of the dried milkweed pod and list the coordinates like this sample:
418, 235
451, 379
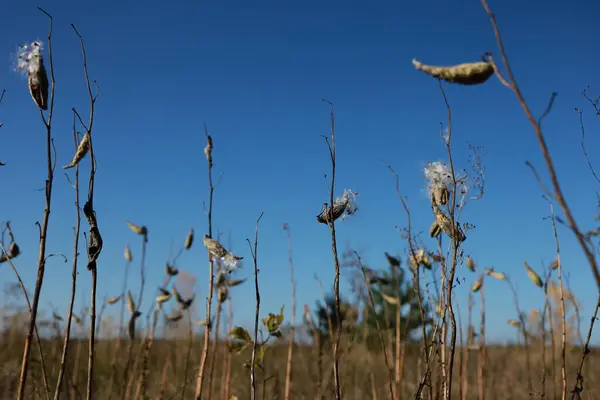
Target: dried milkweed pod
465, 74
189, 239
470, 264
496, 275
82, 150
174, 317
163, 298
140, 230
440, 196
555, 264
535, 278
343, 206
113, 300
217, 251
130, 303
127, 254
171, 270
30, 59
389, 299
222, 294
234, 282
514, 323
208, 150
434, 229
446, 225
477, 285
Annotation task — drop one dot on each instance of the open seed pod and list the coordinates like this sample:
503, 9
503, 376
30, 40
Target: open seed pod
465, 74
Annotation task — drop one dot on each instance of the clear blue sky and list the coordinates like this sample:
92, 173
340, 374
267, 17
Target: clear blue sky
256, 75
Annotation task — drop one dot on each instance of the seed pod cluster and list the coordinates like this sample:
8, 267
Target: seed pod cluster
342, 206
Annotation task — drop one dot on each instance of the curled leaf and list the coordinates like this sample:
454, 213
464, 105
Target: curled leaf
82, 150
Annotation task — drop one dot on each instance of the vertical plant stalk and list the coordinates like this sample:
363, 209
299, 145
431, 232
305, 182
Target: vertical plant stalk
228, 355
41, 264
454, 260
201, 370
215, 347
537, 128
426, 381
525, 335
336, 282
91, 218
37, 336
63, 361
288, 373
563, 322
256, 312
482, 350
377, 325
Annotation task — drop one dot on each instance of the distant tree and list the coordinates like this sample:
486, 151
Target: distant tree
392, 287
389, 287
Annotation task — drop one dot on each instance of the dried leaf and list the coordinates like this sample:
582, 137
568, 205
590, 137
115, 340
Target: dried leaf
127, 254
140, 230
130, 303
113, 300
391, 300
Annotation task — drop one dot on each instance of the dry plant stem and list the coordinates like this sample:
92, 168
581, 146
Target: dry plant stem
336, 282
416, 283
90, 201
41, 265
200, 379
578, 387
257, 310
215, 346
37, 336
525, 335
288, 373
536, 125
228, 354
455, 244
482, 351
381, 340
65, 350
563, 343
188, 354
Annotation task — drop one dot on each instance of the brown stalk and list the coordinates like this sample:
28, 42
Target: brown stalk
41, 264
288, 373
465, 381
563, 346
200, 379
257, 310
215, 346
26, 296
482, 350
379, 332
65, 350
578, 387
525, 335
228, 355
426, 381
455, 244
336, 282
536, 125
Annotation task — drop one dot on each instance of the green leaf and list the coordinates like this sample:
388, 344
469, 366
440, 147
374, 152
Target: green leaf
240, 333
238, 347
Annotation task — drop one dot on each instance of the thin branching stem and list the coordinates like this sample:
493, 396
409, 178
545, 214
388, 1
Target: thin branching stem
41, 265
256, 310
